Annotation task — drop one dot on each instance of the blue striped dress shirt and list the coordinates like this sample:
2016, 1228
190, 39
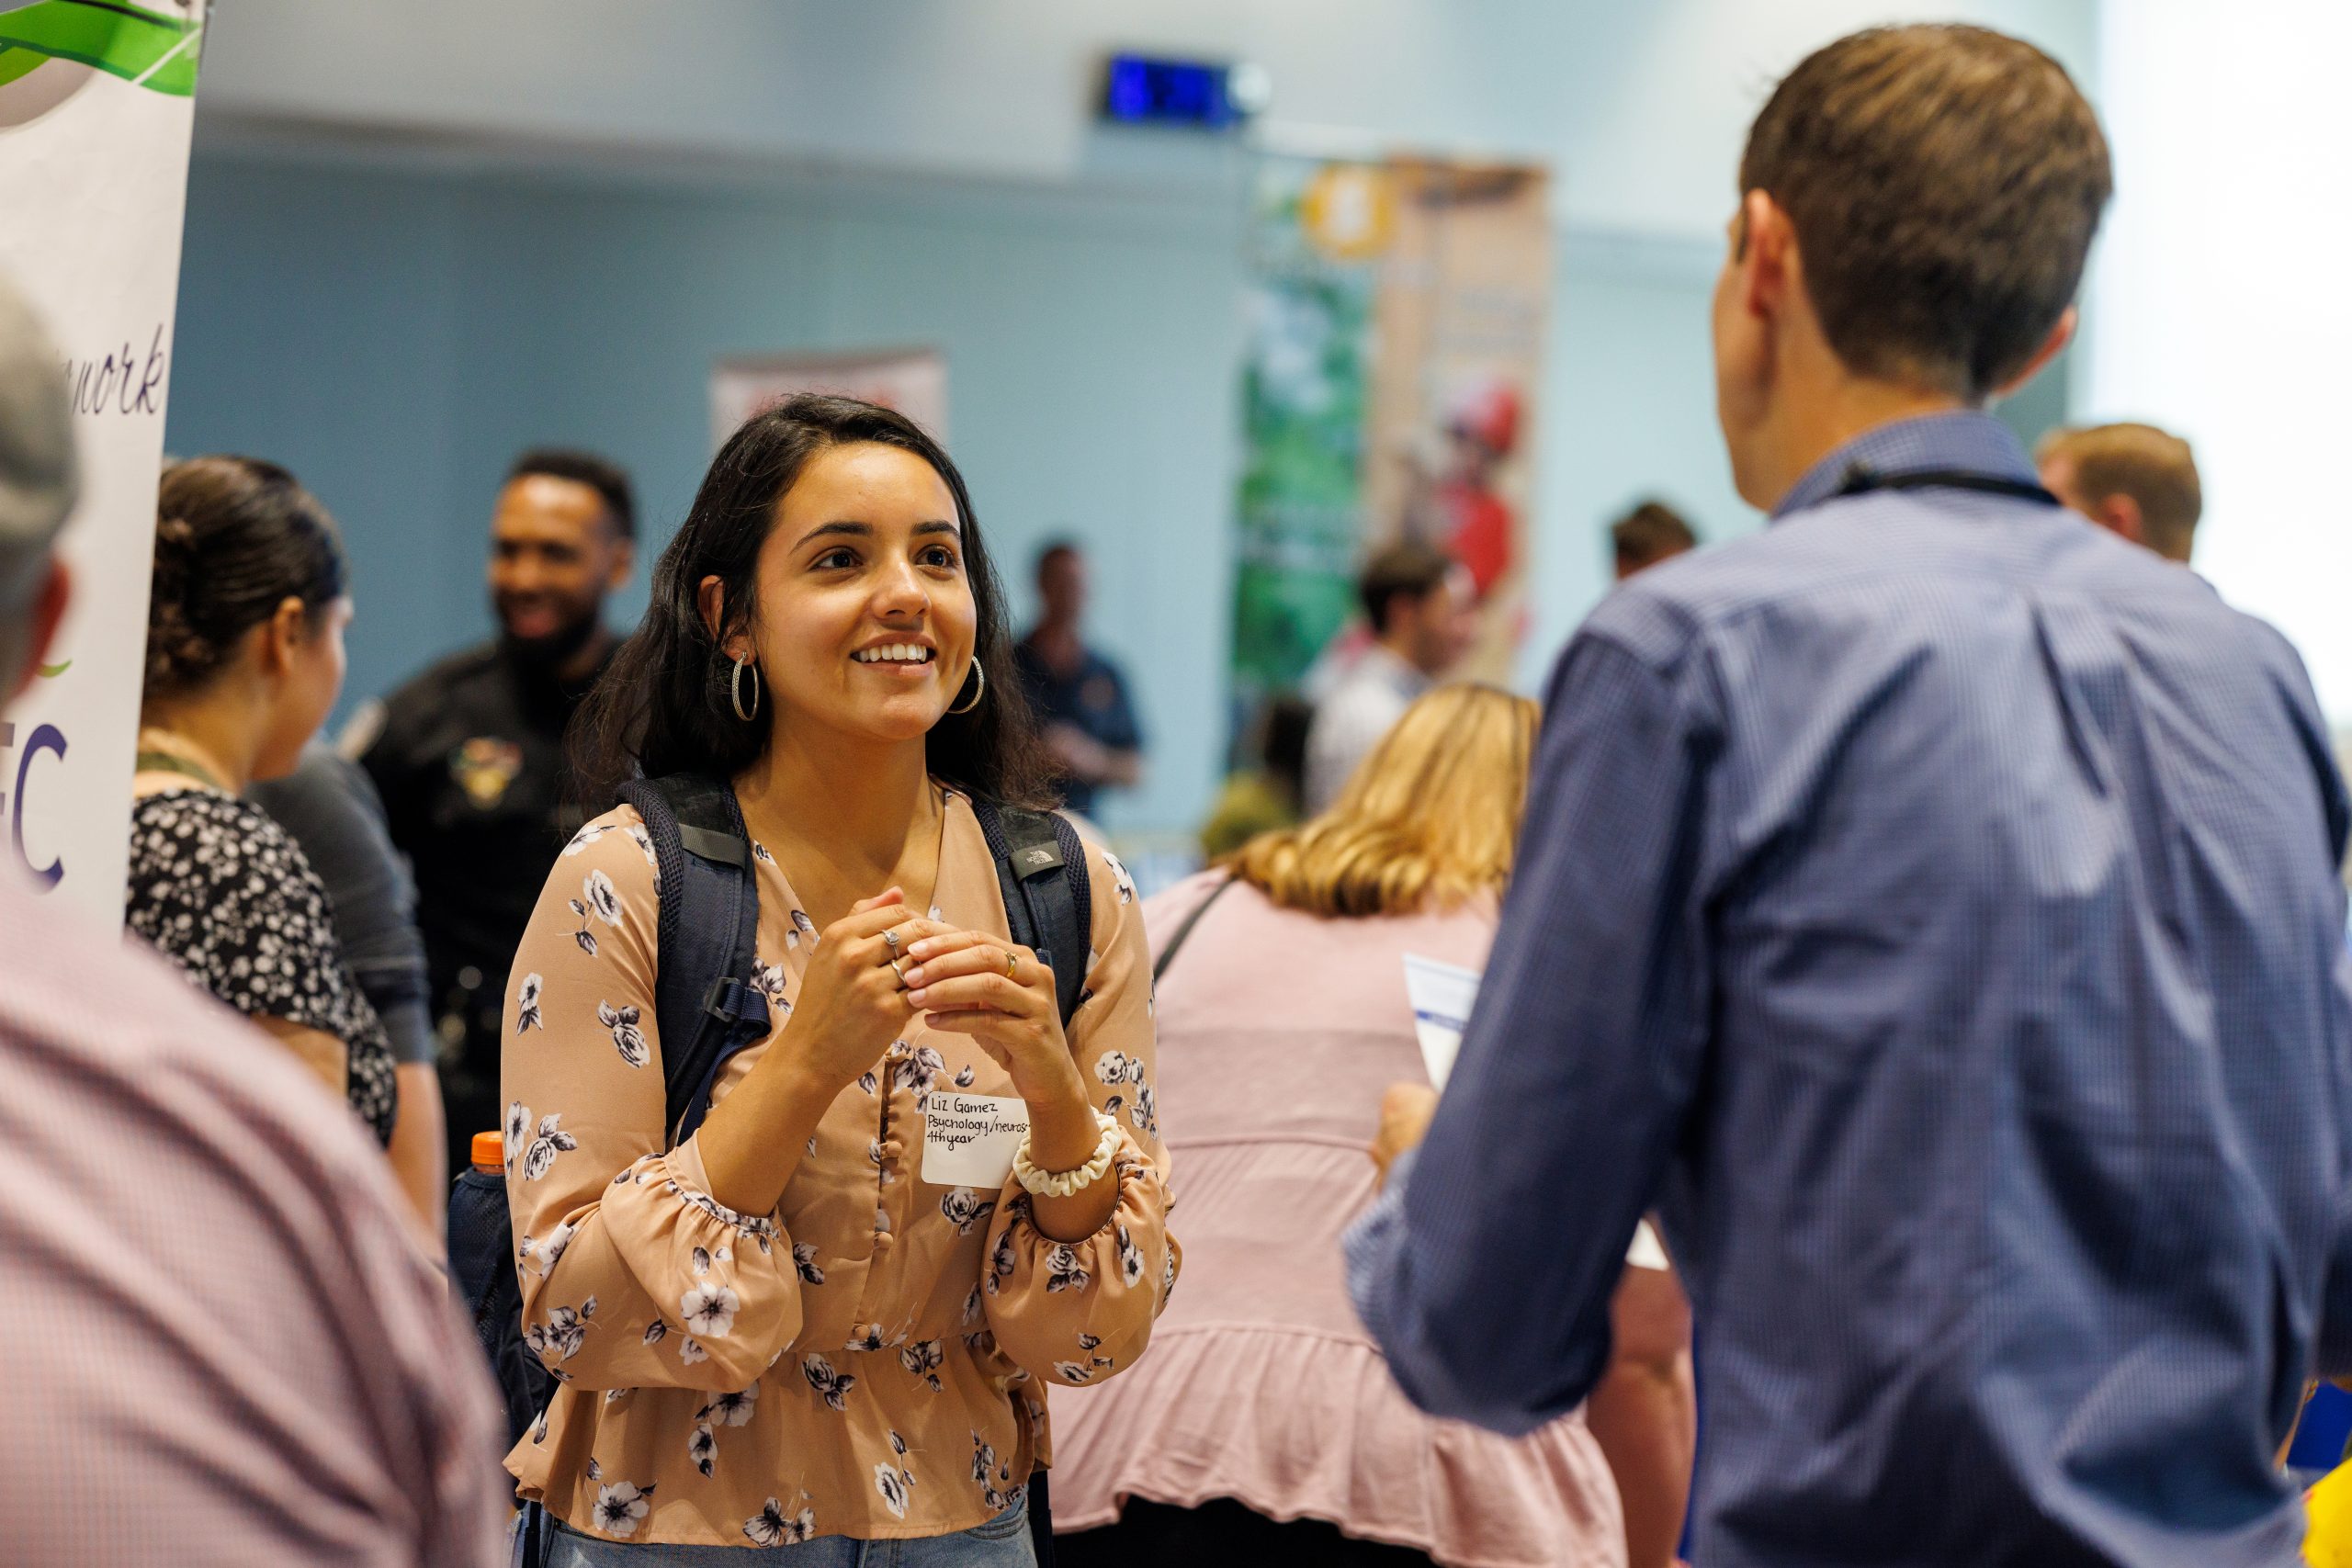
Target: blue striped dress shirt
1930, 905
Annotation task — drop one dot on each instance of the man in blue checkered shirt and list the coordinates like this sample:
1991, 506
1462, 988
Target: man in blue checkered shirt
1928, 906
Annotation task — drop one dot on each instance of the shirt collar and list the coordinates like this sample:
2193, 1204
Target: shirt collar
1963, 440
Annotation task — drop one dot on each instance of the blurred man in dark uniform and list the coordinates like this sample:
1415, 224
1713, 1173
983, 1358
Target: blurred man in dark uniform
1078, 696
470, 758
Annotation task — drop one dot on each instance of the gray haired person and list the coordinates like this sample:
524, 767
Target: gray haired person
220, 1343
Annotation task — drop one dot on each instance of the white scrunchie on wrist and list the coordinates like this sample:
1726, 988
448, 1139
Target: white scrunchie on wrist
1067, 1183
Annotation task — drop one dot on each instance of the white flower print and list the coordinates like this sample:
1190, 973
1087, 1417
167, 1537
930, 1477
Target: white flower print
1002, 1263
965, 1076
923, 1358
760, 853
868, 1337
1119, 878
620, 1507
602, 898
1145, 1112
730, 1409
690, 1351
1117, 1067
868, 1082
768, 980
627, 1038
564, 1332
966, 1208
644, 842
983, 1458
700, 1259
803, 1259
1168, 1277
917, 1071
541, 1255
972, 1305
899, 1447
703, 1449
656, 1332
890, 1481
518, 1131
934, 914
1130, 1255
709, 1310
771, 1528
1073, 1372
1064, 1271
832, 1385
551, 1142
526, 1004
803, 930
585, 837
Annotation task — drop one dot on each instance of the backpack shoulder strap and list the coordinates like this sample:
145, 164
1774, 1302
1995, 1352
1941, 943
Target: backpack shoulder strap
1184, 930
1048, 896
705, 1004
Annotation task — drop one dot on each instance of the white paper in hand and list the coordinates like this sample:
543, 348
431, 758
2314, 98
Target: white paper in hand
1443, 996
968, 1139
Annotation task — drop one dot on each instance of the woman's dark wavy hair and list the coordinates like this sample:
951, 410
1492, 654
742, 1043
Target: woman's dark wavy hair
662, 706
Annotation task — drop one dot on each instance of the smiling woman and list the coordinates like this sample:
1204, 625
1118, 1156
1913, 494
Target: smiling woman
820, 1313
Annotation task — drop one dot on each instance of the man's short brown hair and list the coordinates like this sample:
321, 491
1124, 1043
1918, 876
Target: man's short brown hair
2152, 467
1409, 569
1650, 532
1944, 184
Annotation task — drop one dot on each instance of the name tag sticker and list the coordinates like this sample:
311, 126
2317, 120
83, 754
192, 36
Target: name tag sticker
968, 1139
1443, 996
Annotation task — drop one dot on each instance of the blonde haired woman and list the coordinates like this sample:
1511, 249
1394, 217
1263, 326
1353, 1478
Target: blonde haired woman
1265, 1427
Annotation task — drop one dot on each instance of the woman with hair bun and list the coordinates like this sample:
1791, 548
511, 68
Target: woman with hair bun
245, 656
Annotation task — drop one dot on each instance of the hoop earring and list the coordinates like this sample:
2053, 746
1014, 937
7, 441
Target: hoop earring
735, 691
981, 691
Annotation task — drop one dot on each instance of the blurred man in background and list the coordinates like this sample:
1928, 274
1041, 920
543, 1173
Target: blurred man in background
1648, 534
1422, 607
470, 760
1078, 696
2132, 479
219, 1344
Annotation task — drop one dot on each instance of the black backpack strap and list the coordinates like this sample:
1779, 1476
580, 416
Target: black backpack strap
1184, 930
1048, 896
706, 1002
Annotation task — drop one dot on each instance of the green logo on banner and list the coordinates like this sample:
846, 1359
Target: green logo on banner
150, 49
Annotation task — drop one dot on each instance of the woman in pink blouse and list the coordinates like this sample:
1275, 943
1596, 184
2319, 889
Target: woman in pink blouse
1266, 1428
780, 1333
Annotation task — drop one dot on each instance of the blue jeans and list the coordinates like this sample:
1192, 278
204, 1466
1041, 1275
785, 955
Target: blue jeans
1002, 1543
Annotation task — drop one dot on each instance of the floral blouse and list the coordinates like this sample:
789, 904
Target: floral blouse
863, 1361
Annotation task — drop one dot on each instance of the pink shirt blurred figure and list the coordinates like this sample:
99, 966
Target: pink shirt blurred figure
1278, 1033
219, 1343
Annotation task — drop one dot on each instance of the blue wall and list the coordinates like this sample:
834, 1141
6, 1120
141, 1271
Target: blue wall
394, 336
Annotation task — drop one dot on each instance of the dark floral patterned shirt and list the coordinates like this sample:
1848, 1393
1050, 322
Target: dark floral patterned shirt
222, 890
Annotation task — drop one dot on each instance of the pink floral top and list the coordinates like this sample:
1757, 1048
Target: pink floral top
863, 1361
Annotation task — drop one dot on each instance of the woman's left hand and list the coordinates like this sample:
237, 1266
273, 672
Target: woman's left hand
997, 992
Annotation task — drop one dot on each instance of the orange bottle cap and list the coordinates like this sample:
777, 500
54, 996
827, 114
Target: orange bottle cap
490, 1151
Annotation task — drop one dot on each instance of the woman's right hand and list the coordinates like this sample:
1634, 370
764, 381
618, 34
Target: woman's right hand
852, 1005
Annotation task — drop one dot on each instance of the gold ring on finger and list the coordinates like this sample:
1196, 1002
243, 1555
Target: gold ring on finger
1012, 965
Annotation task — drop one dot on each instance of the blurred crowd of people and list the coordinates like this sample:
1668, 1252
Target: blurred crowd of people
1924, 912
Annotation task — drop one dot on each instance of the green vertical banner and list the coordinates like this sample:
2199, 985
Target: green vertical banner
1315, 233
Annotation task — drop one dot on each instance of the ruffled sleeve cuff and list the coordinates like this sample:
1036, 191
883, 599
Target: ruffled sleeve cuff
1077, 1312
695, 1296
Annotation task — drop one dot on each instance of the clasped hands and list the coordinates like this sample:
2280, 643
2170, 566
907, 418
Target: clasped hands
881, 965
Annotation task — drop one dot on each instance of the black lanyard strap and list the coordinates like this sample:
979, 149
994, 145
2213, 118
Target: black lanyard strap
1861, 480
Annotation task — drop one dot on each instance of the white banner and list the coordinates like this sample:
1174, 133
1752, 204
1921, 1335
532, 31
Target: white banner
911, 380
97, 103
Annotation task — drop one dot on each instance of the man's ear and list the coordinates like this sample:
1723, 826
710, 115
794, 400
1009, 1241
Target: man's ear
42, 617
1768, 254
2120, 514
624, 565
2051, 347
